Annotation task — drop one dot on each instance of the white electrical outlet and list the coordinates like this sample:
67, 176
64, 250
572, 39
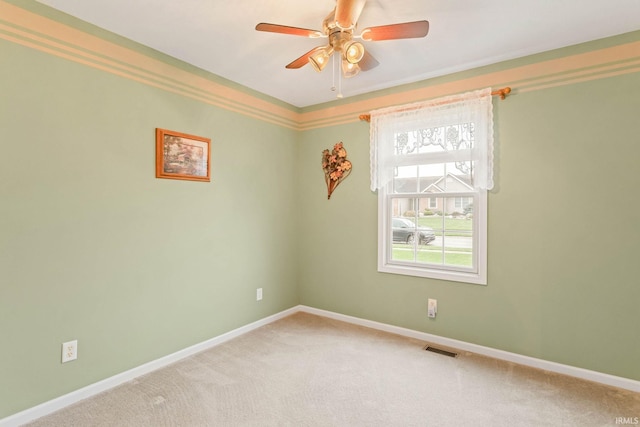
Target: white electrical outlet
69, 351
432, 307
258, 294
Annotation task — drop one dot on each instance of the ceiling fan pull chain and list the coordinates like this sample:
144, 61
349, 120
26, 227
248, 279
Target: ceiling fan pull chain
339, 85
333, 77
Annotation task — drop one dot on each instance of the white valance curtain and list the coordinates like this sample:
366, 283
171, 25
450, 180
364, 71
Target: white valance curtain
469, 108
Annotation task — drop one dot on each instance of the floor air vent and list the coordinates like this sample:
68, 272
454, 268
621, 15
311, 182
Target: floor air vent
441, 351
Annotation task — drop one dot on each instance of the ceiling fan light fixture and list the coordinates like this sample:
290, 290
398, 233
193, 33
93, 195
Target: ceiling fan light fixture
320, 59
349, 69
353, 52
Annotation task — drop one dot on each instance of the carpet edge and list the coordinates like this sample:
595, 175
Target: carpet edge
63, 401
559, 368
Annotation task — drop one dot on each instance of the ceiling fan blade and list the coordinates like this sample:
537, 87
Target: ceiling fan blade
407, 30
368, 62
304, 59
284, 29
348, 12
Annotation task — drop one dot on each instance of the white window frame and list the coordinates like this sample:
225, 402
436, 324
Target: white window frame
389, 130
475, 275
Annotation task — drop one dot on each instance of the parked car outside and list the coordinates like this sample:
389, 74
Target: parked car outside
404, 231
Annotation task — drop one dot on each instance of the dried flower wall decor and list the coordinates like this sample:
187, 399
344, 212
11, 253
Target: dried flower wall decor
336, 167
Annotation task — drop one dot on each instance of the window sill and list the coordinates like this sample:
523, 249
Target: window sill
432, 273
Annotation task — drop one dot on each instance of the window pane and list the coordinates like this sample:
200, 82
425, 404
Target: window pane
435, 140
458, 245
434, 178
456, 233
406, 180
431, 178
424, 235
408, 235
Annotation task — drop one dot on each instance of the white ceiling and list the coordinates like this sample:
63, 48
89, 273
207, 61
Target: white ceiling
220, 37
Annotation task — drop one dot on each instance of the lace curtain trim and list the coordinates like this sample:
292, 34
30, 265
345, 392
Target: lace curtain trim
472, 107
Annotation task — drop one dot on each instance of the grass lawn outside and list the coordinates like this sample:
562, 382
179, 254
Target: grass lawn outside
432, 255
451, 226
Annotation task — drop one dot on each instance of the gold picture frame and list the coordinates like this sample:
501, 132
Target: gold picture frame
182, 156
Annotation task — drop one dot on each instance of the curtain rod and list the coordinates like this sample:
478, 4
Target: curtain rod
502, 93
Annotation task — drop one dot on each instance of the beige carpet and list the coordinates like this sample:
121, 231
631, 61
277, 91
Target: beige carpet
306, 370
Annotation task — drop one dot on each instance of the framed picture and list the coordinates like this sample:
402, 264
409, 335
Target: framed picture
182, 156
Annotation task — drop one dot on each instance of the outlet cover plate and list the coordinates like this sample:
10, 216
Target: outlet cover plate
69, 351
432, 308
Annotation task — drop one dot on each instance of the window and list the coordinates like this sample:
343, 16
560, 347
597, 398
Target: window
431, 166
462, 203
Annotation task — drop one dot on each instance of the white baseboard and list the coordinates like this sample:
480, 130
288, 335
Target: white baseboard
612, 380
58, 403
61, 402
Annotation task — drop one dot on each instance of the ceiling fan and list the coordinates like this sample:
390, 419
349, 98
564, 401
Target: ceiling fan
339, 28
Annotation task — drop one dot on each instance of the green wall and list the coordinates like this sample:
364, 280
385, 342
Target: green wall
563, 234
93, 247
